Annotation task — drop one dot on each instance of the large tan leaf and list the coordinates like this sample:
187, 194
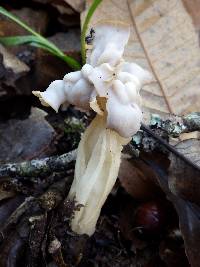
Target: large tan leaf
163, 40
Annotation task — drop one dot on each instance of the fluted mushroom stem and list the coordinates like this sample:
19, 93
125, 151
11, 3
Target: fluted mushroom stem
96, 171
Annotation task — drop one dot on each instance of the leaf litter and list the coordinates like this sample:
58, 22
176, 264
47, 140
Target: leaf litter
118, 240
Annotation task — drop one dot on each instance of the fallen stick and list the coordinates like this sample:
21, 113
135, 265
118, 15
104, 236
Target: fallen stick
39, 167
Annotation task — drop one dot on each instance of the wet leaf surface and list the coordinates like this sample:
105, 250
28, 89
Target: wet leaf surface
26, 139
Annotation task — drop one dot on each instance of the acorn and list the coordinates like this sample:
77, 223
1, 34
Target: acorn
149, 218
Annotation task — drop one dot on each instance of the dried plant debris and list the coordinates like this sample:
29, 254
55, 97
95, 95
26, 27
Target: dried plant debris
188, 212
25, 222
63, 8
181, 186
77, 5
36, 19
152, 216
11, 70
184, 180
68, 42
138, 180
26, 139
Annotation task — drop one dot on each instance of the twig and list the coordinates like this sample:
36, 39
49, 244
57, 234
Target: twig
169, 147
175, 125
40, 205
39, 167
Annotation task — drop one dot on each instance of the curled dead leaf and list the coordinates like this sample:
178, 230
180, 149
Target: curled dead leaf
184, 180
138, 179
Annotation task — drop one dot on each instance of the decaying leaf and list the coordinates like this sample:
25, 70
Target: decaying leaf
26, 139
4, 194
68, 42
138, 180
11, 69
63, 8
77, 5
189, 217
184, 180
190, 149
37, 20
10, 62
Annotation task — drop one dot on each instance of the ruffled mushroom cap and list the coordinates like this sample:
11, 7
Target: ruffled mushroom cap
108, 45
107, 76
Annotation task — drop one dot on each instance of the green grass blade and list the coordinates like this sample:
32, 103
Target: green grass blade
18, 40
44, 47
85, 27
29, 39
69, 60
34, 39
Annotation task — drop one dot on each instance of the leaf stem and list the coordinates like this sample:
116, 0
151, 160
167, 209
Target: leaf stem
85, 27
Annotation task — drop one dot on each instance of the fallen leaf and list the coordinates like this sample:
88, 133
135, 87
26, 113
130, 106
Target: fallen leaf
4, 194
188, 213
47, 69
193, 7
191, 135
35, 19
26, 139
70, 20
8, 206
189, 220
11, 69
12, 63
63, 8
68, 42
77, 5
138, 180
184, 180
172, 252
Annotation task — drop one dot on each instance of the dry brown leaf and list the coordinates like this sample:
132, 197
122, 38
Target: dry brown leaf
189, 219
184, 180
11, 70
5, 194
36, 19
13, 63
164, 40
77, 5
138, 180
26, 139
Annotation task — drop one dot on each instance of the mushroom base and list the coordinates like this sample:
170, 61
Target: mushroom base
96, 171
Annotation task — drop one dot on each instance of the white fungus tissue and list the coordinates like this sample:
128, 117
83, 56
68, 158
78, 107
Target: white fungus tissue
110, 86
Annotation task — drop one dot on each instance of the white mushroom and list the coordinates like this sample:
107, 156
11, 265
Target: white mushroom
110, 87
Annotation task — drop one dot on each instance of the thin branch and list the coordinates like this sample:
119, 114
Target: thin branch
168, 146
175, 125
39, 167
